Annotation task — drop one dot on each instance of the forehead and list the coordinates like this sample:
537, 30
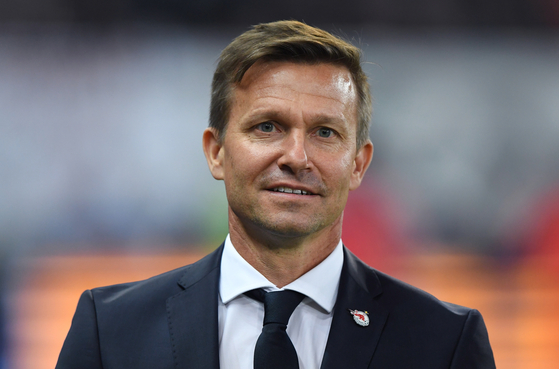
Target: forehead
314, 77
328, 86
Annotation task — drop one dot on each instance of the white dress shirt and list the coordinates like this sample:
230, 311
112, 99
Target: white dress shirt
240, 317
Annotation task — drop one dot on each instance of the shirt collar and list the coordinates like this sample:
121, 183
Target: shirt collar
320, 283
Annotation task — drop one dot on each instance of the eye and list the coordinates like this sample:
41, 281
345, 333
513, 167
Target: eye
266, 127
325, 132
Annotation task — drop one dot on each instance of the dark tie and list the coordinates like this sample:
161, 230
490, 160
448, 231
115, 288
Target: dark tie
274, 349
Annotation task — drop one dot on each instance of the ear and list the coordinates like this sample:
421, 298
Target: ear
361, 163
213, 150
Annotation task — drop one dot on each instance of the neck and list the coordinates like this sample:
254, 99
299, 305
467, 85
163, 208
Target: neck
280, 258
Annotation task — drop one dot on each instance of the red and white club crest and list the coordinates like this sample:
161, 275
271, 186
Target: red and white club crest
360, 317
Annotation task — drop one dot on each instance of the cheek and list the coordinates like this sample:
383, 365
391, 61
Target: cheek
338, 171
348, 162
345, 165
244, 163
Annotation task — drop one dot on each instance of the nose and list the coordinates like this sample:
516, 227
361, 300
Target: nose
294, 153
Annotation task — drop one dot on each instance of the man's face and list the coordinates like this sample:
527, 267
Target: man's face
289, 158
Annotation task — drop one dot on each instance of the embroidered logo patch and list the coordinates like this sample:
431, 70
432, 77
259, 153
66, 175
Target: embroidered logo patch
360, 317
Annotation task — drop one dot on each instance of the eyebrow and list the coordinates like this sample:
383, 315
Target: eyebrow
274, 114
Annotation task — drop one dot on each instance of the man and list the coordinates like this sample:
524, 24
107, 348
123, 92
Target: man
288, 136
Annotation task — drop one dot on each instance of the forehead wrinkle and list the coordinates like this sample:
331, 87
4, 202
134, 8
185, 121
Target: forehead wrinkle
295, 95
294, 100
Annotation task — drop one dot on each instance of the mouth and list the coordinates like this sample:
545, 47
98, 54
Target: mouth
295, 191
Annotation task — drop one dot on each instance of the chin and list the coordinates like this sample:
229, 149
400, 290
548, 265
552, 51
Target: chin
291, 228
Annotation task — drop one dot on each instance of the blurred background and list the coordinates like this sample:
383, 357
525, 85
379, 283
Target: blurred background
103, 179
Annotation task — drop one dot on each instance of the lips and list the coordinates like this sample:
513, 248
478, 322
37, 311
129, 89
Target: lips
295, 191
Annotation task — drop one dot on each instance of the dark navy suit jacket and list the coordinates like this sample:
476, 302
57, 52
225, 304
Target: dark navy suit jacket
170, 321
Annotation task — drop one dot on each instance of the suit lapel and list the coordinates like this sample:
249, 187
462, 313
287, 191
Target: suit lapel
349, 344
192, 315
193, 318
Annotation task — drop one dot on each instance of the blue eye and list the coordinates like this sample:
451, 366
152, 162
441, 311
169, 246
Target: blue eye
325, 132
266, 127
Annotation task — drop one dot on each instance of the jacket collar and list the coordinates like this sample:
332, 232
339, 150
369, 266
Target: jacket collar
193, 318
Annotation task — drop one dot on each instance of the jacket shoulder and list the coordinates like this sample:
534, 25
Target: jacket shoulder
399, 295
157, 288
403, 295
431, 331
440, 332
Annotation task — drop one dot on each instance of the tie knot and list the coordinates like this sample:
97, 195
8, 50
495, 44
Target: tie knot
279, 305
